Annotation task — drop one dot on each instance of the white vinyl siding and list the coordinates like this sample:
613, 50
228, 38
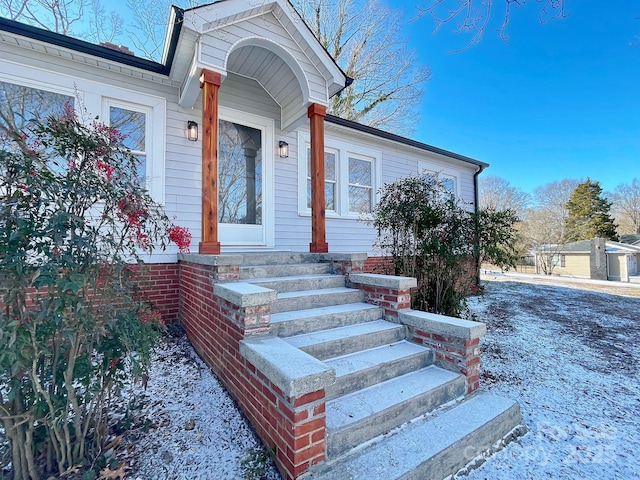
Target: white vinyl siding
181, 175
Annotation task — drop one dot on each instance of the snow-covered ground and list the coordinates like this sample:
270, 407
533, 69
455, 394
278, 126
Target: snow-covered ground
569, 356
187, 425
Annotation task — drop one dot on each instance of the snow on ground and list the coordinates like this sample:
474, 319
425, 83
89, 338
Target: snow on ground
570, 358
188, 427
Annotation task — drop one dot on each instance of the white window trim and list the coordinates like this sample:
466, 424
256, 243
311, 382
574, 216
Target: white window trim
343, 151
93, 96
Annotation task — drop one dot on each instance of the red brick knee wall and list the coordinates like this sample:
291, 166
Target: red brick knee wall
160, 286
380, 265
294, 427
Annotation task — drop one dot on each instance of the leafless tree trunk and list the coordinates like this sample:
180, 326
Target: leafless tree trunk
497, 194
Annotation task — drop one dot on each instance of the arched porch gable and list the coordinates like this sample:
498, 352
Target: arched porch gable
270, 44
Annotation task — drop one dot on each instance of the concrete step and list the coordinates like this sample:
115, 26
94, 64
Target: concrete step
325, 297
278, 258
363, 415
299, 282
348, 339
286, 324
283, 270
366, 368
431, 447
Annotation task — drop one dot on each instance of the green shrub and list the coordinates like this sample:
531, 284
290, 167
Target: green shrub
430, 236
74, 220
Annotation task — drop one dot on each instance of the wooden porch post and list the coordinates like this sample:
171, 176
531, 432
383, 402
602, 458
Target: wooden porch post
210, 83
316, 113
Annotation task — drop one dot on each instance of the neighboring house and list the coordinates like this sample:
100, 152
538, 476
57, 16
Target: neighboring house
232, 131
597, 259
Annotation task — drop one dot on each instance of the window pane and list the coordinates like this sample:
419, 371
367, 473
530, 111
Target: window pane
359, 172
329, 166
329, 177
239, 174
329, 195
449, 184
132, 125
21, 107
359, 199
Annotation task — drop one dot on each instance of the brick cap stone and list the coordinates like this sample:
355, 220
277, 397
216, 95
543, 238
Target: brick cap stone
442, 325
387, 281
245, 294
214, 260
341, 257
293, 371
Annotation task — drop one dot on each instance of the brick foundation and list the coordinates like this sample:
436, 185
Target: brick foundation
217, 319
381, 265
160, 286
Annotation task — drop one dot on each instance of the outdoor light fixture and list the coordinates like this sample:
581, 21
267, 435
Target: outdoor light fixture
283, 149
192, 131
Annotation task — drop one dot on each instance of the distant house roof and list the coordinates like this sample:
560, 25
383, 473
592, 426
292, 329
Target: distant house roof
632, 239
576, 247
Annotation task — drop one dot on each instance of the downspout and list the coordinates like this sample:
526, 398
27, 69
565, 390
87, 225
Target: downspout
476, 246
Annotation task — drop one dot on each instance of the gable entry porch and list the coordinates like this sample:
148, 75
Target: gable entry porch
330, 364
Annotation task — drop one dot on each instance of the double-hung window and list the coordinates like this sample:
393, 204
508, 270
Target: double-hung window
350, 176
360, 185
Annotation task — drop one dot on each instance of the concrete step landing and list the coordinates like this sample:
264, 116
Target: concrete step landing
430, 447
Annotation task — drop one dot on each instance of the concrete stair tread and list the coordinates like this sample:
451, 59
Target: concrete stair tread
373, 357
322, 291
430, 447
356, 406
320, 311
279, 270
318, 276
358, 329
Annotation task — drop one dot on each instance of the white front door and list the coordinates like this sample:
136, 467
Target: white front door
632, 265
245, 179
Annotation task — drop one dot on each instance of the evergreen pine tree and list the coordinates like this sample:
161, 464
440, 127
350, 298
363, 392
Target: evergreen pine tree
589, 214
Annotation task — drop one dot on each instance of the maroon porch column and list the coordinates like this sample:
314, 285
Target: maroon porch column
210, 83
316, 113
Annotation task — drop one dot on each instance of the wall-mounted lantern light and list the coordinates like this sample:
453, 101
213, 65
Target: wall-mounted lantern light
283, 149
192, 131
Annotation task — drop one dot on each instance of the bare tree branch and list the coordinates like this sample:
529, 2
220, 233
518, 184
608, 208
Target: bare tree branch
366, 40
473, 16
626, 206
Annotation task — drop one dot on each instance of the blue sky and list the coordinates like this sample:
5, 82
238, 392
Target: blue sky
561, 100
